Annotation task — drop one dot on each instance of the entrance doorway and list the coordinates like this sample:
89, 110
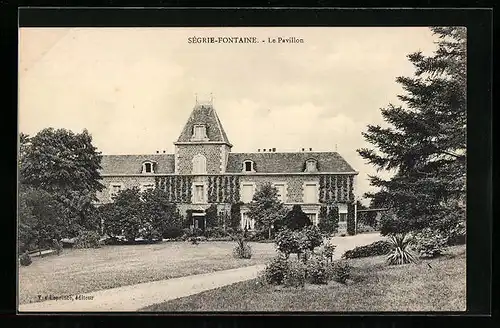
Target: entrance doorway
199, 221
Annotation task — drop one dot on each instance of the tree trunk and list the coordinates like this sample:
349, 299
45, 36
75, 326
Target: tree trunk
269, 233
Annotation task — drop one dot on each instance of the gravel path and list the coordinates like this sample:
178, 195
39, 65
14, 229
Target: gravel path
134, 297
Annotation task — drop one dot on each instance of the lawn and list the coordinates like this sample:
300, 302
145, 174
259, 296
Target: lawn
78, 271
430, 285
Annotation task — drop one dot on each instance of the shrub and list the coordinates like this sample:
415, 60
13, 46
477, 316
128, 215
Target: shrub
400, 250
258, 235
341, 271
363, 228
172, 233
87, 239
295, 274
317, 270
457, 234
274, 272
25, 259
377, 248
287, 242
430, 243
242, 250
57, 246
328, 251
215, 232
296, 219
314, 237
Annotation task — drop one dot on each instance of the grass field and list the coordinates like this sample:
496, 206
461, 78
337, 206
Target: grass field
85, 270
431, 285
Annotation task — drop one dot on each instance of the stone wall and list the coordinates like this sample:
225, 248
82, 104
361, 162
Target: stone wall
185, 154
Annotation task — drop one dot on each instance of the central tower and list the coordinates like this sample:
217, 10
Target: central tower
202, 147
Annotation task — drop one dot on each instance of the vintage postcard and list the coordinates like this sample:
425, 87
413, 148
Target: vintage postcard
242, 169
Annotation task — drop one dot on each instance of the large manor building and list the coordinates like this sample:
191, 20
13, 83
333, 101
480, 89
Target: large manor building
204, 171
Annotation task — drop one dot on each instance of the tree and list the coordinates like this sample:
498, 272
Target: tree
40, 219
126, 215
296, 219
66, 165
425, 145
266, 208
158, 215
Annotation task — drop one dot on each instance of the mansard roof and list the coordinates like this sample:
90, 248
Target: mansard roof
204, 114
288, 162
132, 164
272, 162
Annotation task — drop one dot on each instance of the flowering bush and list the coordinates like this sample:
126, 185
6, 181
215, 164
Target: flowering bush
295, 275
430, 243
328, 251
313, 236
274, 272
287, 242
377, 248
341, 271
317, 270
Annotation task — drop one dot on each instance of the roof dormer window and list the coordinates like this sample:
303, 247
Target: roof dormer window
199, 132
148, 167
248, 166
311, 166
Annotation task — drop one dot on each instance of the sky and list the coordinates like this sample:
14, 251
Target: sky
133, 89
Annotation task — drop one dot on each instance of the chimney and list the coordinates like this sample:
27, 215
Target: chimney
164, 151
310, 149
274, 150
302, 149
263, 149
157, 151
258, 150
270, 149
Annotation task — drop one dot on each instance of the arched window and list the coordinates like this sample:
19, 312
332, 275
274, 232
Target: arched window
248, 166
199, 164
148, 167
311, 165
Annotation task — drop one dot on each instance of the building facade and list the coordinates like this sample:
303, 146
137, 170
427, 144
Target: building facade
204, 171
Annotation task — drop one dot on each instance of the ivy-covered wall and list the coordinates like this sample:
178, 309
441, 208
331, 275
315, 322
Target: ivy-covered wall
223, 189
351, 229
178, 188
336, 188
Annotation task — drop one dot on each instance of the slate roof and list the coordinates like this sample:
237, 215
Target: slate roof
132, 164
274, 162
204, 114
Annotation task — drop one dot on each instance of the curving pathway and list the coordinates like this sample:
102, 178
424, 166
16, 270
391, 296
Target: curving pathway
134, 297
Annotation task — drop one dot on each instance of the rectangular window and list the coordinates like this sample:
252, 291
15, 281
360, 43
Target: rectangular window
342, 217
281, 191
310, 193
247, 193
248, 166
312, 217
199, 196
115, 189
199, 132
148, 186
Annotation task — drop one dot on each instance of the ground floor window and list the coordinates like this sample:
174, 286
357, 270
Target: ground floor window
313, 217
246, 222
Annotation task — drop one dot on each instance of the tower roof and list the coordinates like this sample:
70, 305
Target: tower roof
206, 115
